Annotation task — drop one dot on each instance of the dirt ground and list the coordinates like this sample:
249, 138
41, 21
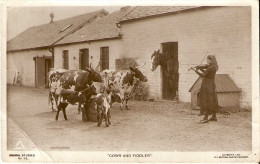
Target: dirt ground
148, 126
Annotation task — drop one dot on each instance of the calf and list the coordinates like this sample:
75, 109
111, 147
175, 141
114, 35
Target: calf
122, 82
72, 97
103, 102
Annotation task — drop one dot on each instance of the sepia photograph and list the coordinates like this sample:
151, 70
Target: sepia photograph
131, 83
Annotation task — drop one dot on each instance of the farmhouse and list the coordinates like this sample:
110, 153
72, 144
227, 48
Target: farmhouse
98, 44
133, 34
31, 53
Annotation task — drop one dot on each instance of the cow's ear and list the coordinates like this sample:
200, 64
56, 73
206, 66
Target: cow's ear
132, 69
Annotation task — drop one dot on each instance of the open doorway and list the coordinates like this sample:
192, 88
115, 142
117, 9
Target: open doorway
42, 68
170, 71
83, 59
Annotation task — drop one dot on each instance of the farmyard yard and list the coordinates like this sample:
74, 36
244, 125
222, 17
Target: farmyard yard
147, 126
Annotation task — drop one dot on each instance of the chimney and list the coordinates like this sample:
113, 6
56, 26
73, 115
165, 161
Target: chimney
52, 16
125, 8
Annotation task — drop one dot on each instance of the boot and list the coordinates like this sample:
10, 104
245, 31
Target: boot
205, 119
214, 117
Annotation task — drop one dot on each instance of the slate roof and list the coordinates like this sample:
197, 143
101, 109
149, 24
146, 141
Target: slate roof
105, 28
140, 12
223, 84
47, 34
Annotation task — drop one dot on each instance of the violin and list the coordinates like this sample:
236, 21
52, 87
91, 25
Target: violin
201, 66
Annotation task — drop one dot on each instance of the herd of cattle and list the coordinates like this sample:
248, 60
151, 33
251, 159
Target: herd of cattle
81, 86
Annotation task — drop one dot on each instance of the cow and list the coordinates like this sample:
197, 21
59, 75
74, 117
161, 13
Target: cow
70, 83
54, 77
122, 82
103, 106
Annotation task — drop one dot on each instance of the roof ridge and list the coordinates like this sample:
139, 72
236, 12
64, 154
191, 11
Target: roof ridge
84, 23
97, 11
127, 13
60, 20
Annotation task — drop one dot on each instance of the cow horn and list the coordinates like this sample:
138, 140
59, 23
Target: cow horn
90, 65
141, 66
88, 69
98, 65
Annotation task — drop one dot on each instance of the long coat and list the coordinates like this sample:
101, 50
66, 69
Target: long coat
208, 94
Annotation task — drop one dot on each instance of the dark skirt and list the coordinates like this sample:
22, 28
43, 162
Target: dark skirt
208, 96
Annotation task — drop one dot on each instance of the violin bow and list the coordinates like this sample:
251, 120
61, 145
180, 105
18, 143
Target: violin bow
203, 58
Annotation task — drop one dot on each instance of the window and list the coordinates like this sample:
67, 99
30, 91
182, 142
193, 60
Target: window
104, 58
65, 59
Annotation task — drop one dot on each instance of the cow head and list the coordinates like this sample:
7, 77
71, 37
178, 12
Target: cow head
139, 74
96, 77
86, 93
155, 60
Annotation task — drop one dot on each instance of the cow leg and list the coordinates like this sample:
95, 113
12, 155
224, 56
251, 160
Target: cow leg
57, 115
99, 117
64, 111
79, 107
108, 117
106, 120
126, 106
122, 104
56, 100
85, 112
51, 100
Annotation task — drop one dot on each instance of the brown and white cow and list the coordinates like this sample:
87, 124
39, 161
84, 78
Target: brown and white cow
71, 86
122, 82
54, 77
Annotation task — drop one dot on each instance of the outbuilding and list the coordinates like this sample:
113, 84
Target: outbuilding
31, 53
227, 92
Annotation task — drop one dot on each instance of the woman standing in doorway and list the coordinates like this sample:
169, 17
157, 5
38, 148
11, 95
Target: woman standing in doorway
208, 94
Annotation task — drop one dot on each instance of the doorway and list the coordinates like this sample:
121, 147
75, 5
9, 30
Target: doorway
42, 68
83, 59
170, 71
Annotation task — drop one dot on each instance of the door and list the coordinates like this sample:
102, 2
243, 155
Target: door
42, 67
104, 58
40, 72
48, 64
65, 59
83, 59
170, 71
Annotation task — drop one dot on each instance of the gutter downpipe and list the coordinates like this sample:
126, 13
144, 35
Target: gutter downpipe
51, 49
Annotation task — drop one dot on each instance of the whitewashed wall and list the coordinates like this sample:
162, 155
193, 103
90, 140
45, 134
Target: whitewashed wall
223, 31
94, 50
23, 62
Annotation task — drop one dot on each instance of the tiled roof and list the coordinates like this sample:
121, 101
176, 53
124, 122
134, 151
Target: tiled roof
223, 84
105, 28
148, 11
47, 34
